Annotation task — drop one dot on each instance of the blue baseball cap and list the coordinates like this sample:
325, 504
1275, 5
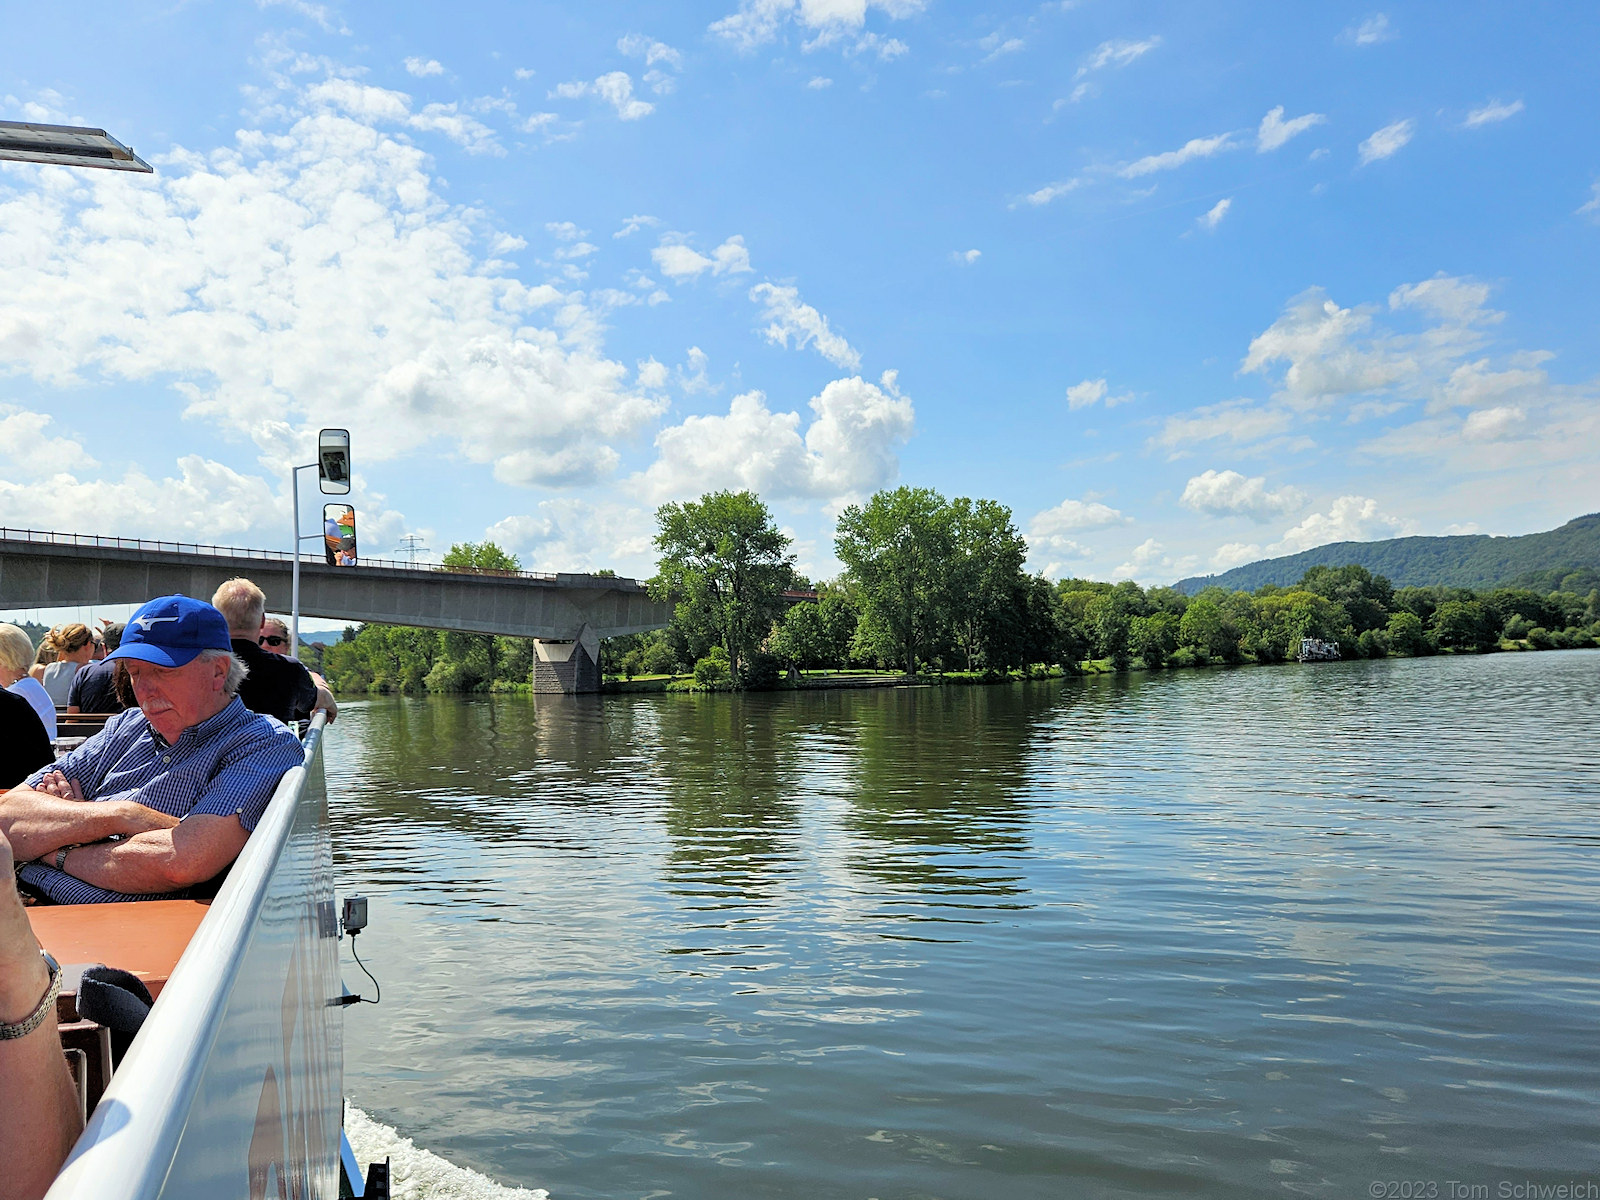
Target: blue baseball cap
171, 631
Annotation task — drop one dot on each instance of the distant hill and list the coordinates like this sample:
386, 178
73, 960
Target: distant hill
1539, 560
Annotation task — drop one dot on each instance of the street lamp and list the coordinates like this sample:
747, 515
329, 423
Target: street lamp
67, 146
333, 474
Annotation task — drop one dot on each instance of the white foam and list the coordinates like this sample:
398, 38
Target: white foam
417, 1174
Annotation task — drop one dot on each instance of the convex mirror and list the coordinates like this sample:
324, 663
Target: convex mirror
339, 534
333, 461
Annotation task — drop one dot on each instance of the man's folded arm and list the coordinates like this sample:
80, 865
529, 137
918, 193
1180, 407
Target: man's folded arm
37, 823
163, 860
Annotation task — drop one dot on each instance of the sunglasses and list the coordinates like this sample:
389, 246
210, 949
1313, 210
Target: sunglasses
272, 640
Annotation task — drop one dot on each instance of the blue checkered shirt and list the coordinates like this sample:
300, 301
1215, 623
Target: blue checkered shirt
228, 765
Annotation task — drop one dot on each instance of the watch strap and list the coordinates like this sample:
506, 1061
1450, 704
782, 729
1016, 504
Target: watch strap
36, 1018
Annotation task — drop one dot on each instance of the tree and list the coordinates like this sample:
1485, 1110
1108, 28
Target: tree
1109, 625
479, 556
725, 565
1155, 637
1405, 633
986, 601
1464, 625
897, 548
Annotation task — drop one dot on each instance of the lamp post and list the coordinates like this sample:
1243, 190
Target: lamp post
333, 474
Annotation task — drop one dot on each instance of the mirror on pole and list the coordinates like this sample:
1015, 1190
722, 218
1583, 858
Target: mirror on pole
339, 534
333, 461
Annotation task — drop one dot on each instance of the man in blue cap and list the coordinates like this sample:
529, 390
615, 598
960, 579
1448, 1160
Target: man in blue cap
175, 786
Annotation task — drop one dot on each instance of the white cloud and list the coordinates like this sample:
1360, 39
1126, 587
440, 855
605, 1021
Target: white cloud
636, 45
882, 48
817, 82
423, 67
1072, 516
1237, 421
1371, 31
635, 223
580, 535
1115, 54
318, 13
1275, 131
789, 317
758, 22
1450, 297
848, 450
524, 72
614, 87
1492, 112
1052, 191
1234, 554
1150, 561
381, 106
1192, 149
1386, 142
1093, 391
965, 257
1351, 519
27, 448
1494, 424
1327, 349
997, 44
1211, 218
308, 269
679, 262
1230, 494
692, 377
1591, 207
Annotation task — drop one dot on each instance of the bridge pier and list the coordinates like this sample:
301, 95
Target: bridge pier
567, 667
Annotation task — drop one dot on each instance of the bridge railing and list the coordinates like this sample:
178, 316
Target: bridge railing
54, 538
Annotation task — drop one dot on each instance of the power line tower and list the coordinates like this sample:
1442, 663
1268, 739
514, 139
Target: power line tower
411, 546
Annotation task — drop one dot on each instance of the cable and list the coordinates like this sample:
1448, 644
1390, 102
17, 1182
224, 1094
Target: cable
376, 986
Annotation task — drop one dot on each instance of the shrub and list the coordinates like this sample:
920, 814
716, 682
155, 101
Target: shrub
1188, 656
1405, 634
659, 659
1373, 643
761, 672
711, 672
1539, 638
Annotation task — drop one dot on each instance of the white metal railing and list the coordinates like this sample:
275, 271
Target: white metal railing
164, 1091
54, 538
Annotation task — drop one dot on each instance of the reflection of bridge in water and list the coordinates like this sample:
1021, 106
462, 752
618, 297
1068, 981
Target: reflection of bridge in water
566, 614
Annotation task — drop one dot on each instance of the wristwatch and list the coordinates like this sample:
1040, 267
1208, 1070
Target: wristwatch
46, 1006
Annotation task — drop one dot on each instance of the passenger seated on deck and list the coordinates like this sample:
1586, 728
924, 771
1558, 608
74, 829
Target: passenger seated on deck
175, 786
277, 685
16, 653
94, 689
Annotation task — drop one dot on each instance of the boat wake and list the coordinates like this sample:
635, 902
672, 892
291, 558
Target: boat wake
417, 1174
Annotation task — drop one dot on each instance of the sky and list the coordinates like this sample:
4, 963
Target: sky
1183, 286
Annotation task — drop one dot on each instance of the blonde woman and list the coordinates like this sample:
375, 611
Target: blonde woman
46, 656
16, 654
73, 645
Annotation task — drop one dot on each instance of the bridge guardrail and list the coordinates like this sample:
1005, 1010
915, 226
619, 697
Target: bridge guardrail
54, 538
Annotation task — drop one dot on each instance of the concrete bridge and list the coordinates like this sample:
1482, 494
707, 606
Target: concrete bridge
566, 614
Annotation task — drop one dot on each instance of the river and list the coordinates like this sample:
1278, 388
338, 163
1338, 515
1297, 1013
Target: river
1280, 931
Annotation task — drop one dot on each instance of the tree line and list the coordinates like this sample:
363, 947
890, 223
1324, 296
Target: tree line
937, 585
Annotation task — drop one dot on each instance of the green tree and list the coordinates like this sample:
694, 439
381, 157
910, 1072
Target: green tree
725, 565
897, 548
986, 600
1204, 627
1406, 634
479, 556
1464, 625
1155, 637
1108, 623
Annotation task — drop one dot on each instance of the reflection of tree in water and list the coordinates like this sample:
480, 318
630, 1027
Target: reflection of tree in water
941, 792
731, 812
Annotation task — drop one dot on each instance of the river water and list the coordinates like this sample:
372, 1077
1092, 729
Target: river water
1288, 931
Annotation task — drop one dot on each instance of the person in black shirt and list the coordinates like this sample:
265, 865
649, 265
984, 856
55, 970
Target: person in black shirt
94, 689
24, 744
277, 686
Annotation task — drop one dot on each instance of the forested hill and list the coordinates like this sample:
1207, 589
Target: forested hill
1538, 560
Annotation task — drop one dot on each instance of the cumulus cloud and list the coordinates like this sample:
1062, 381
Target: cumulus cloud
1052, 191
635, 223
787, 317
1072, 516
848, 450
1491, 113
1234, 554
1351, 519
1230, 494
1212, 217
423, 67
817, 82
1150, 561
1371, 31
679, 262
1115, 54
966, 257
381, 106
1172, 159
1328, 350
1274, 131
758, 22
1093, 391
567, 534
1236, 421
614, 87
1494, 424
309, 269
1386, 142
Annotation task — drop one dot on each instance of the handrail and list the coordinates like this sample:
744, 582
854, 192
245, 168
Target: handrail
132, 1139
54, 538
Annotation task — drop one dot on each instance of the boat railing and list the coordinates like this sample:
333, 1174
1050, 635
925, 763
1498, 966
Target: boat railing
198, 1076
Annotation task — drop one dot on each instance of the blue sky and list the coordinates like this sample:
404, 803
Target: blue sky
1183, 286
